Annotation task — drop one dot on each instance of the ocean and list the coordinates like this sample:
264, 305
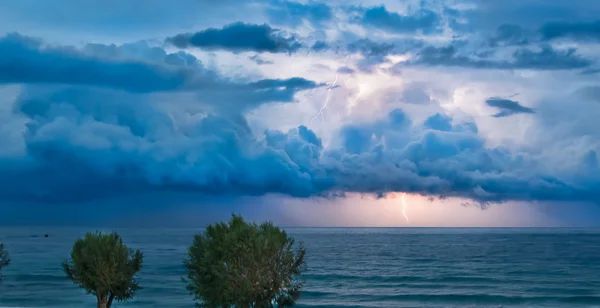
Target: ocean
347, 267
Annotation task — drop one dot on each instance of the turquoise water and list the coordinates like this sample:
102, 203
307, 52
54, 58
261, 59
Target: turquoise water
404, 267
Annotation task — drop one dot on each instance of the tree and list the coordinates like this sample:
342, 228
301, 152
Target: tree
103, 266
242, 264
4, 259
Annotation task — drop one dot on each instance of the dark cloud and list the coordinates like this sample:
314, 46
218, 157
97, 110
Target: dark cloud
27, 60
422, 20
446, 56
292, 14
172, 135
113, 120
138, 50
573, 30
549, 58
238, 37
442, 157
182, 59
508, 107
259, 60
319, 46
136, 68
244, 96
108, 158
438, 122
507, 35
75, 151
546, 58
373, 52
370, 48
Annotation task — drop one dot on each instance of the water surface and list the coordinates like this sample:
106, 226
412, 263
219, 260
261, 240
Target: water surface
348, 267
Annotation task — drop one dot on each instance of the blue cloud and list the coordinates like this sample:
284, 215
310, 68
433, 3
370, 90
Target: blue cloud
81, 145
238, 37
438, 158
259, 60
110, 153
139, 50
422, 20
319, 46
549, 58
573, 30
136, 68
80, 118
546, 58
370, 48
293, 13
373, 52
508, 107
507, 35
26, 60
115, 120
438, 122
243, 96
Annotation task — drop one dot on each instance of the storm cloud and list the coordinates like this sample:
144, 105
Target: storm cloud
101, 120
508, 107
79, 152
26, 60
423, 20
584, 31
136, 68
544, 58
238, 37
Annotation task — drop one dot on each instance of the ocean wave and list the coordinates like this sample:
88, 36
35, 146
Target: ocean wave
458, 298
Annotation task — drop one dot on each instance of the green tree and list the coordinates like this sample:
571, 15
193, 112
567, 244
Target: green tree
4, 259
102, 265
243, 264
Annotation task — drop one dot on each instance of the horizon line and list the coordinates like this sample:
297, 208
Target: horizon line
308, 227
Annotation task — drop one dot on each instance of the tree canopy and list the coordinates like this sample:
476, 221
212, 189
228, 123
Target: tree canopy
243, 264
4, 258
102, 265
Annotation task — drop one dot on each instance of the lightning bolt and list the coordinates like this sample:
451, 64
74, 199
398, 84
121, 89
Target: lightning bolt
404, 208
328, 91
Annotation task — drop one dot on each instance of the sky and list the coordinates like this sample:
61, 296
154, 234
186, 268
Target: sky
306, 113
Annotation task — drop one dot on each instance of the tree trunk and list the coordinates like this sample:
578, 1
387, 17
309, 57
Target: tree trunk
110, 300
102, 302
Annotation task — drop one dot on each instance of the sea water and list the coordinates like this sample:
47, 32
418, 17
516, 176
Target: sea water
347, 267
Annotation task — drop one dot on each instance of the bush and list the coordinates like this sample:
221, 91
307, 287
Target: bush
4, 259
242, 264
103, 266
